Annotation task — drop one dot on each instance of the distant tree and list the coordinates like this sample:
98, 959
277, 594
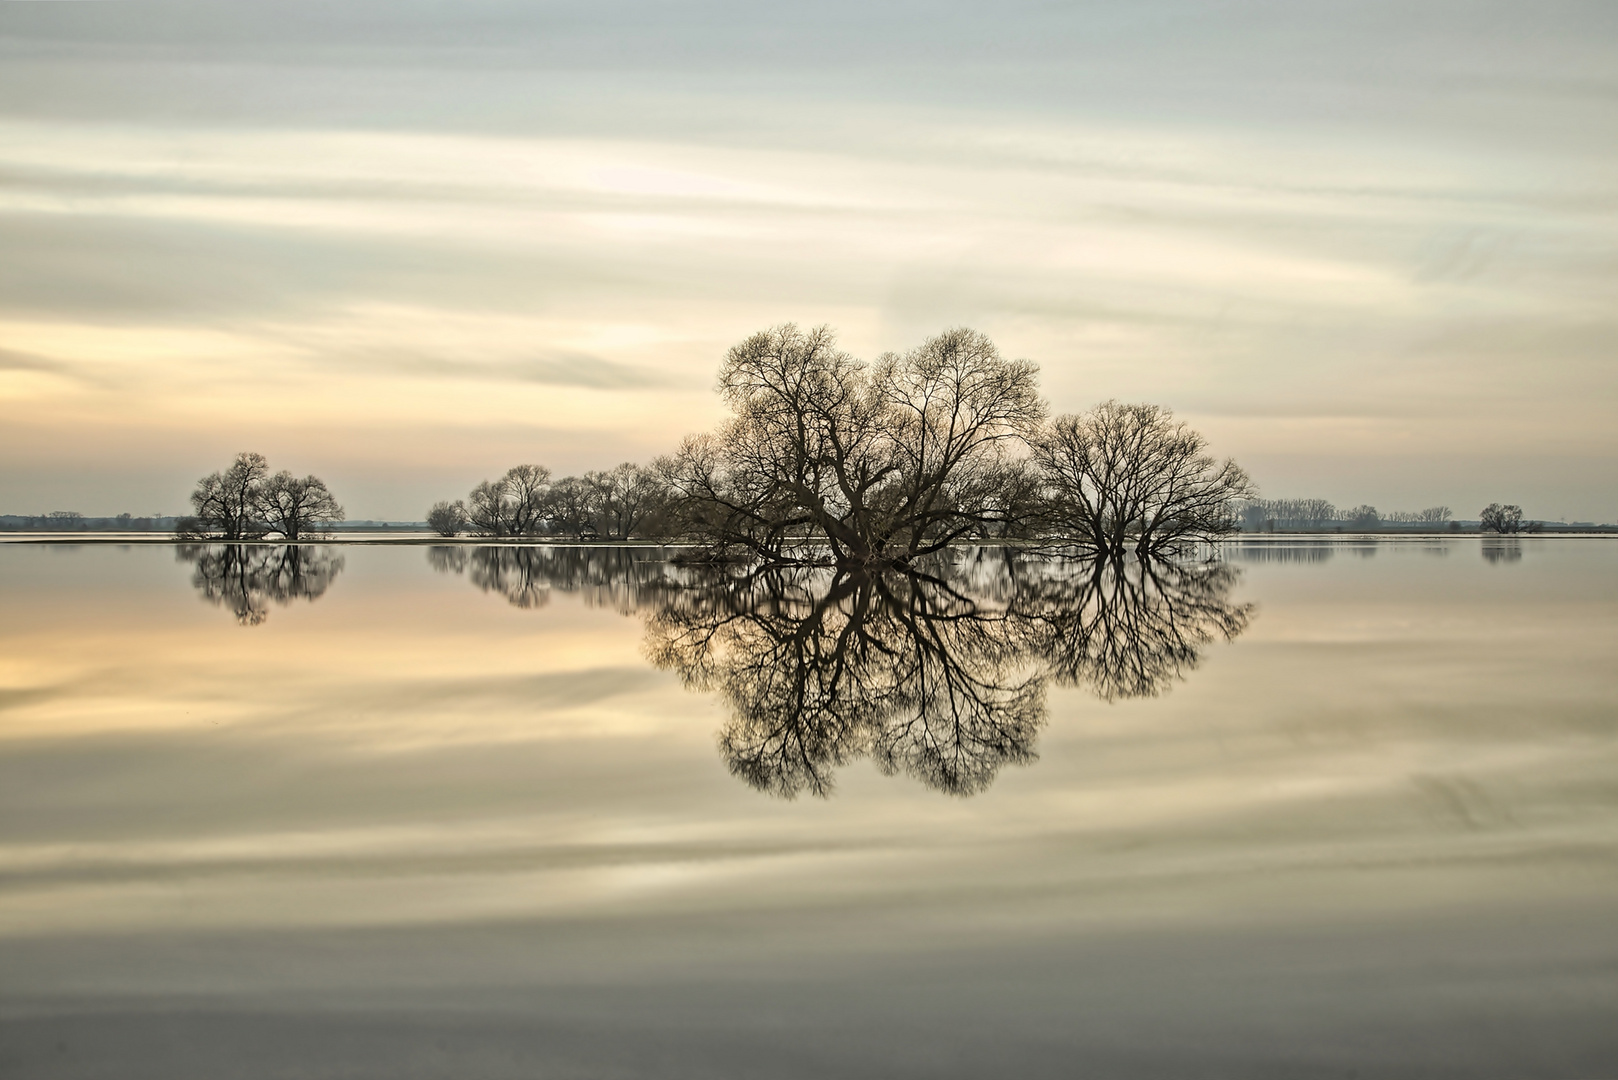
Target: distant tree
1362, 517
65, 521
1258, 514
513, 505
296, 507
1131, 476
447, 518
572, 506
227, 505
1434, 515
626, 496
1500, 519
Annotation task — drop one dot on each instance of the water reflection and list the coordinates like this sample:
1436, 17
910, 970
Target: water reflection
1305, 552
938, 672
1128, 629
614, 577
1499, 549
822, 666
248, 578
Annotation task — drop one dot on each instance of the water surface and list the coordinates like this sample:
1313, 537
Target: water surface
1321, 809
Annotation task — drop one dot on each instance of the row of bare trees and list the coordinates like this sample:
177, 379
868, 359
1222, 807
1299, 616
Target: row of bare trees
1259, 515
615, 504
246, 502
879, 463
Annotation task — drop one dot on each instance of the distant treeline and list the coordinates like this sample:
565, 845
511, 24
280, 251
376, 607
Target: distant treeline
1306, 515
73, 521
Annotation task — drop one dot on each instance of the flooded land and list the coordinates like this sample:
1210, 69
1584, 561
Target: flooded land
1312, 808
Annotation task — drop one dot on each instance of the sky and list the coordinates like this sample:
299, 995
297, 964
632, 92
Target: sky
1370, 250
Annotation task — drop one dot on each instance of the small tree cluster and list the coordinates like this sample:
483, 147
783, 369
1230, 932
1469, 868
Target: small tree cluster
615, 504
246, 502
880, 463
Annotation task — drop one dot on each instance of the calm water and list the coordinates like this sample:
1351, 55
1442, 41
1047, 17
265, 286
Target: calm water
1326, 809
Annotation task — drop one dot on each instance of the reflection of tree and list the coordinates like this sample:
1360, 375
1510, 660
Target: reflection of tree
822, 666
247, 578
1498, 549
937, 671
615, 577
1127, 628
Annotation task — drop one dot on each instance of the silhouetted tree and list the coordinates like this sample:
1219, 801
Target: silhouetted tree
1500, 519
881, 462
228, 505
571, 507
626, 497
447, 518
513, 505
297, 507
1131, 476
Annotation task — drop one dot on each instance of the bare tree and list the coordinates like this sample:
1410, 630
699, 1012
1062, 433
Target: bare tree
447, 518
227, 505
1259, 514
513, 505
572, 506
1500, 519
625, 497
1123, 476
296, 507
881, 463
1362, 517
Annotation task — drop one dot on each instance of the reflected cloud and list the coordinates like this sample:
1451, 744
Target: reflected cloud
938, 672
248, 578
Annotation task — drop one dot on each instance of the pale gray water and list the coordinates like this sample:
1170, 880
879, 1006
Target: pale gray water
412, 827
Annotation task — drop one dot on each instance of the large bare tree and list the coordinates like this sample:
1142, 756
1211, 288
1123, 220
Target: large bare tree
1500, 519
297, 506
513, 505
1131, 476
225, 505
882, 463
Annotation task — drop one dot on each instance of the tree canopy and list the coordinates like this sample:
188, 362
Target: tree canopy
245, 502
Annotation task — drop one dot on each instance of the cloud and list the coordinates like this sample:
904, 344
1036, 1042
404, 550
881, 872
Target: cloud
554, 369
24, 362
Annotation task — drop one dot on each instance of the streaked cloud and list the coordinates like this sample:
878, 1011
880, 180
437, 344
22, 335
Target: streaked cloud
1261, 219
